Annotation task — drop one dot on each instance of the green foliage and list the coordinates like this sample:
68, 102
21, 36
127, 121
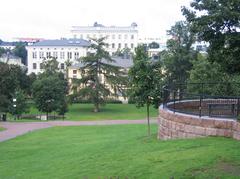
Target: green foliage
50, 89
179, 55
19, 106
218, 22
99, 78
21, 52
49, 94
215, 80
2, 51
12, 77
50, 66
145, 81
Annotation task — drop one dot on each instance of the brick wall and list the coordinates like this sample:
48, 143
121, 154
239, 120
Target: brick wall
177, 125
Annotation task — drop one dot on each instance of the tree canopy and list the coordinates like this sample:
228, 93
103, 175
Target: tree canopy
218, 22
178, 56
50, 89
145, 81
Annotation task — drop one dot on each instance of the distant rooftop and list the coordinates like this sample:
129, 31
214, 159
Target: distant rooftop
7, 44
100, 27
63, 42
118, 61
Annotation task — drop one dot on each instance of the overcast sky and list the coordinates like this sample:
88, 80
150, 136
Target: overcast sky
54, 18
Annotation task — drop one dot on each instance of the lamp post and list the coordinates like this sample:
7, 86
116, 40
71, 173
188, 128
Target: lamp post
14, 107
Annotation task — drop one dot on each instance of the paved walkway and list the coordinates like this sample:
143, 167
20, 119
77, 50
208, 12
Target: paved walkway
14, 129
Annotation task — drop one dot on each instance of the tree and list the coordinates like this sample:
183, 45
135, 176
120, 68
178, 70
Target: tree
218, 22
179, 55
12, 77
208, 78
50, 89
18, 104
2, 51
100, 78
49, 94
145, 81
21, 52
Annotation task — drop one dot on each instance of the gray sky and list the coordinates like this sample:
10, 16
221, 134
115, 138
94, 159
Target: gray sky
54, 18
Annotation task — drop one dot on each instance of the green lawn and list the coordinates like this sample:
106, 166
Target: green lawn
120, 150
79, 112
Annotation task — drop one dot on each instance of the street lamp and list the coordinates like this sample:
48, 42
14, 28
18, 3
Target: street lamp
14, 107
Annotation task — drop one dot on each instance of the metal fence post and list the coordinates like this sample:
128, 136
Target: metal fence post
200, 106
238, 103
174, 100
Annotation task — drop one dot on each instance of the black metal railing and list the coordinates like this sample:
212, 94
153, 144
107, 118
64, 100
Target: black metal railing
190, 98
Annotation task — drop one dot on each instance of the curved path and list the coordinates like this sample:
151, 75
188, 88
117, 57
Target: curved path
14, 129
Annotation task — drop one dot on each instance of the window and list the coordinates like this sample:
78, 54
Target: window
119, 45
113, 45
34, 55
76, 55
113, 36
125, 45
69, 55
74, 72
48, 54
132, 36
55, 54
41, 55
62, 66
125, 36
41, 65
81, 36
119, 36
107, 45
62, 55
132, 46
34, 66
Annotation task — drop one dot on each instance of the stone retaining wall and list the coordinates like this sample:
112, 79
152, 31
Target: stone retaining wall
177, 125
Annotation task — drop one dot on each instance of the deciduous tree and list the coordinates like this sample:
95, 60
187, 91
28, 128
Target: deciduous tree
218, 22
145, 81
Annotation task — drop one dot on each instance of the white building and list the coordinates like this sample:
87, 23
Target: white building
154, 45
7, 45
116, 37
63, 50
12, 60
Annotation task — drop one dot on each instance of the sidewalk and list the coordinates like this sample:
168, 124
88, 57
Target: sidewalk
14, 129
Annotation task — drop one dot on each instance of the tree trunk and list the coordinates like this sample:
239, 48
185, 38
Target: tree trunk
47, 116
148, 119
96, 109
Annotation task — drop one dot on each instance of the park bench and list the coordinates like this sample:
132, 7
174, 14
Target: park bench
223, 106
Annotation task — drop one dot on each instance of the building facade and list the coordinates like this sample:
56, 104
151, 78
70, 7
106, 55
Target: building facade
117, 37
12, 60
63, 50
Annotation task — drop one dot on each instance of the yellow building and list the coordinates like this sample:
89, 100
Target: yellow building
74, 72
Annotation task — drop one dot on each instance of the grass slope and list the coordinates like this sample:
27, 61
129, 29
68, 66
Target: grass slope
81, 112
116, 151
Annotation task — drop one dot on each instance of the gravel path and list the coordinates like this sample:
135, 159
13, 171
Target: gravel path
14, 129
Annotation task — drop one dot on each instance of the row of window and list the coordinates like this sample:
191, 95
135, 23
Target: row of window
113, 36
61, 55
119, 45
34, 65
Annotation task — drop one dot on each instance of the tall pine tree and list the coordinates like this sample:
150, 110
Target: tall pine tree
100, 78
